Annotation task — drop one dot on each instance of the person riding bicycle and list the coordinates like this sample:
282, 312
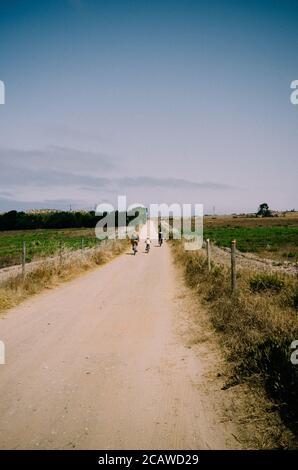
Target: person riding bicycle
134, 239
160, 237
147, 244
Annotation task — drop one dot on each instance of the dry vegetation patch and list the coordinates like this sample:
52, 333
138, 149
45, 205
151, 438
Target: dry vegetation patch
256, 325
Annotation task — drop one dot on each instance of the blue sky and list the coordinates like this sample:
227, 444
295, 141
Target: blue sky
163, 101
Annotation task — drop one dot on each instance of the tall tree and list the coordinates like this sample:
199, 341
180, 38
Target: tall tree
264, 210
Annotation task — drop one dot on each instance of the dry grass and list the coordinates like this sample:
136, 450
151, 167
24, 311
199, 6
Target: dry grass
256, 326
49, 273
289, 218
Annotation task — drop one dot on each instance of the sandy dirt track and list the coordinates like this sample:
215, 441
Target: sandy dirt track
101, 362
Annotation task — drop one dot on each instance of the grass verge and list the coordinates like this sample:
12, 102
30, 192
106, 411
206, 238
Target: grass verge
42, 243
49, 273
256, 325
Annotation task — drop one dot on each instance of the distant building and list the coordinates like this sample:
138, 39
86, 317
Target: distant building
41, 211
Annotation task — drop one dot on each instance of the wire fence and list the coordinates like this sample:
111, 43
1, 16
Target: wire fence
26, 251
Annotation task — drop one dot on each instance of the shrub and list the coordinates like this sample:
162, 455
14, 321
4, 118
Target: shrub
263, 282
290, 254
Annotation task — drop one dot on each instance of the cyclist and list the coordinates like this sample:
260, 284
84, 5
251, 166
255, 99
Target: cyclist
147, 244
160, 237
134, 241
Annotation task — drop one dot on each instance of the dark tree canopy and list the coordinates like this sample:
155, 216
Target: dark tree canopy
264, 210
14, 220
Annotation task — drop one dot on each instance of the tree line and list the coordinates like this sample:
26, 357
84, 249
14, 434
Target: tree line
14, 220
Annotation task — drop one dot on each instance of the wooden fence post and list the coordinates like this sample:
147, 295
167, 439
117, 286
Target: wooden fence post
233, 266
24, 259
208, 254
60, 252
82, 244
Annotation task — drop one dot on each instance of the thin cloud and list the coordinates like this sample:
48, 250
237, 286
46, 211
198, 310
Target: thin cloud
82, 175
58, 158
58, 165
51, 178
147, 181
6, 194
16, 204
40, 177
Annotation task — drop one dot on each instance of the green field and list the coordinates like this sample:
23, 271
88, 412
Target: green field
269, 237
42, 243
272, 237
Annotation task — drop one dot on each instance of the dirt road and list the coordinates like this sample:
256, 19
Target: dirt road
102, 362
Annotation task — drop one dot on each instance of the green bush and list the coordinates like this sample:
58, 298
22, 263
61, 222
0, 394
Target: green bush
295, 300
264, 282
289, 255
